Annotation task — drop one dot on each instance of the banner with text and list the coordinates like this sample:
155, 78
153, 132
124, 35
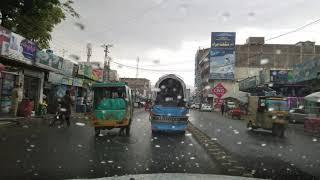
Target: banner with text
222, 55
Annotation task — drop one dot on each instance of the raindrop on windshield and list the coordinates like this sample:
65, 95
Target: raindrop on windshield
32, 145
25, 126
80, 124
157, 146
155, 137
110, 161
182, 142
214, 139
207, 87
187, 115
156, 61
278, 51
91, 170
264, 61
100, 135
263, 144
102, 162
218, 130
239, 142
36, 174
119, 167
79, 145
192, 158
303, 157
179, 97
59, 167
314, 140
138, 119
18, 161
188, 134
163, 87
236, 131
147, 169
279, 154
190, 144
251, 14
29, 149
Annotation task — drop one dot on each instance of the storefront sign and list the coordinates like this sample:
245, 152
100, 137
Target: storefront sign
218, 102
48, 60
280, 76
67, 81
19, 48
85, 70
67, 67
78, 82
222, 55
219, 90
250, 82
55, 78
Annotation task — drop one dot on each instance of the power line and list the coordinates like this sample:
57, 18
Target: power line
295, 30
153, 70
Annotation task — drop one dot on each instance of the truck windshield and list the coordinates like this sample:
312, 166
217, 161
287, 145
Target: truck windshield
277, 105
103, 93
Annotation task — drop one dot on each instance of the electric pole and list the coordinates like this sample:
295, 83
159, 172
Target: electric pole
137, 68
89, 52
106, 76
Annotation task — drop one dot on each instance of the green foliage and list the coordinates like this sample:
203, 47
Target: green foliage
35, 19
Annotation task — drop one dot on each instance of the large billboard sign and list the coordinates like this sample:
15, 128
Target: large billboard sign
222, 55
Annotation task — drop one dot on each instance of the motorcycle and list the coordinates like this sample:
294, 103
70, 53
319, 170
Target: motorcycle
59, 115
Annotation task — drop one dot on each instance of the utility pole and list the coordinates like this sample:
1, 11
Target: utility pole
137, 68
106, 76
89, 52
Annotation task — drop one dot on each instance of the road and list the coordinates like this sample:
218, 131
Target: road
296, 155
36, 151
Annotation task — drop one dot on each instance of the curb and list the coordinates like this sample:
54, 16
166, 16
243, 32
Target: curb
217, 152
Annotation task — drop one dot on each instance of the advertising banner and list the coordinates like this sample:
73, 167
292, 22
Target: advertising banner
219, 90
48, 60
81, 68
67, 81
222, 55
19, 48
97, 74
247, 83
306, 71
4, 37
67, 67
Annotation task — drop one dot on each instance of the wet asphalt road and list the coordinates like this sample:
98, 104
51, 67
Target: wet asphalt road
296, 156
36, 151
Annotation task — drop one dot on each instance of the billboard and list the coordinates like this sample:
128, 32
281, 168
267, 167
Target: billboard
222, 55
19, 48
305, 71
48, 60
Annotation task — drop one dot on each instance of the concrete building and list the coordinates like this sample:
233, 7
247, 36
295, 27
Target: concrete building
251, 57
141, 86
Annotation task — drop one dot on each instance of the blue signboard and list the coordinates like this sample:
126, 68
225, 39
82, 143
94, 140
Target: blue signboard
222, 55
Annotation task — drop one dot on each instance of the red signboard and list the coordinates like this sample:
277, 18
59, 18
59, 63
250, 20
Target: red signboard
219, 90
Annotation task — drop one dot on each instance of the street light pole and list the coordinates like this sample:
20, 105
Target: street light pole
106, 62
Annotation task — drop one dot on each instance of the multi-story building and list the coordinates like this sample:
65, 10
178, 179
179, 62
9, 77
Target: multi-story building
141, 86
250, 58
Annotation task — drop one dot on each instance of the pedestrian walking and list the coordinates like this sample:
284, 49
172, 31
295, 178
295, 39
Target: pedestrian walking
222, 109
67, 103
16, 98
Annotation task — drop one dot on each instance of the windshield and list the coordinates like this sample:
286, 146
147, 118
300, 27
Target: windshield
277, 105
105, 88
103, 93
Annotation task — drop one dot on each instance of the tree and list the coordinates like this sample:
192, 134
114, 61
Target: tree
35, 19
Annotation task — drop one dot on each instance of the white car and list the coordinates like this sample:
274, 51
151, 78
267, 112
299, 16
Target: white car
195, 106
206, 107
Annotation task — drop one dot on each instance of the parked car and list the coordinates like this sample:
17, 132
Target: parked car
195, 106
297, 115
206, 107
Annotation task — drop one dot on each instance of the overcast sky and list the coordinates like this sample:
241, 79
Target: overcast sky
166, 34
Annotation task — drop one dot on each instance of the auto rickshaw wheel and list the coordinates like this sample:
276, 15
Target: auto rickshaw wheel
97, 131
128, 130
278, 130
249, 126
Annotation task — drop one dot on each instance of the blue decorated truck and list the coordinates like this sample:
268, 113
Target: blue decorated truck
169, 112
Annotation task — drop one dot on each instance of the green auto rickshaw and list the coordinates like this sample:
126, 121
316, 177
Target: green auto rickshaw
112, 106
